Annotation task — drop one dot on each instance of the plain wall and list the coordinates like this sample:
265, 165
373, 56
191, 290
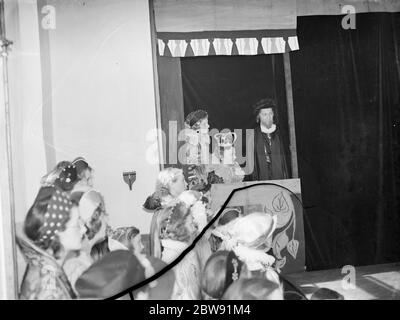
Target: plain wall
25, 101
102, 98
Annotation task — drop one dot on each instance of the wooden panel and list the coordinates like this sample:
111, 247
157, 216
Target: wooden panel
261, 197
224, 15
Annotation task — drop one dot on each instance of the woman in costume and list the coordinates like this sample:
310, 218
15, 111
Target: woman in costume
52, 229
93, 214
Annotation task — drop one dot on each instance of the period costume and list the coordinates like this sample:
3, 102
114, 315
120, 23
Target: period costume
245, 236
269, 155
187, 272
44, 278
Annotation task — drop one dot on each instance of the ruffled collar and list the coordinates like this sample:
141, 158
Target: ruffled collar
268, 130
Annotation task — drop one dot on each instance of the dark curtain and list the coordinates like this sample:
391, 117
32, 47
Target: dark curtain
227, 87
346, 99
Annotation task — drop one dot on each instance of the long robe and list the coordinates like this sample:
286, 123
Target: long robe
277, 168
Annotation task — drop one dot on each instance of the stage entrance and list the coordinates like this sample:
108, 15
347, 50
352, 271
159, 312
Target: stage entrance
226, 87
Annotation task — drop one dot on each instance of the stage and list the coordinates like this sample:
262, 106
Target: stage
375, 282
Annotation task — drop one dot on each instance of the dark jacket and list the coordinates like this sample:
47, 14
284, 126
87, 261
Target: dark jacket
277, 169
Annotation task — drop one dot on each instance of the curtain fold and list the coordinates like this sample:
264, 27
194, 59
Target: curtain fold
346, 99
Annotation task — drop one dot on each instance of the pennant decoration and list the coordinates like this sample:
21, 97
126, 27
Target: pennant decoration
231, 46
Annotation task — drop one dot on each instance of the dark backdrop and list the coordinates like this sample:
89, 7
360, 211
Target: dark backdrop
227, 87
346, 100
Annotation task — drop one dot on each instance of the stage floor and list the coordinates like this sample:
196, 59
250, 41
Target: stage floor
375, 282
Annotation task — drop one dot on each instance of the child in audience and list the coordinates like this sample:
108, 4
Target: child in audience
115, 272
84, 174
250, 238
126, 238
197, 205
254, 289
221, 270
177, 233
99, 250
53, 228
170, 184
93, 214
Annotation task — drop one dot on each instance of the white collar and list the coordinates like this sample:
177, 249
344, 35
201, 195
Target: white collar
266, 130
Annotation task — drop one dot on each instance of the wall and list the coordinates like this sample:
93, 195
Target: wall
25, 99
25, 95
102, 97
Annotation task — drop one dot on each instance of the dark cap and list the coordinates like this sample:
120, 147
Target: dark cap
265, 103
195, 116
67, 178
81, 164
114, 273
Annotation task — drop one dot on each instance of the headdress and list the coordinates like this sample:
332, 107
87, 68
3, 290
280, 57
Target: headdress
81, 164
161, 195
245, 234
67, 178
89, 202
194, 117
56, 216
265, 103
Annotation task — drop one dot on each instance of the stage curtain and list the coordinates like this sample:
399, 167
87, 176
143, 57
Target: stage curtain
346, 98
187, 28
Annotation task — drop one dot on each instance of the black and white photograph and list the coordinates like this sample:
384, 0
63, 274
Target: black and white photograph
200, 150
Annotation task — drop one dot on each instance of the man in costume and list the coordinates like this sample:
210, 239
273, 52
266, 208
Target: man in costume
269, 156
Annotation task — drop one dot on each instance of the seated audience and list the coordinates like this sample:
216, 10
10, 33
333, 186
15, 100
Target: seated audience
53, 228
